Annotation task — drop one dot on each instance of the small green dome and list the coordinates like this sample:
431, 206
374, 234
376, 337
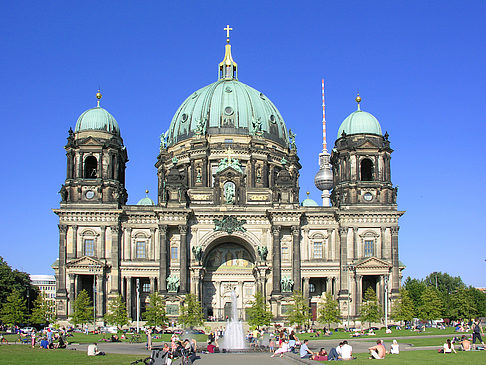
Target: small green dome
227, 107
360, 122
309, 203
146, 201
97, 119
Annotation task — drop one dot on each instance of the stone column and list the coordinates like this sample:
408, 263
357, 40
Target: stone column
305, 290
72, 293
163, 259
129, 296
276, 260
183, 259
357, 297
394, 255
152, 244
61, 291
74, 253
152, 284
101, 248
329, 245
343, 260
99, 296
355, 243
328, 284
335, 240
383, 243
296, 272
128, 243
115, 260
241, 301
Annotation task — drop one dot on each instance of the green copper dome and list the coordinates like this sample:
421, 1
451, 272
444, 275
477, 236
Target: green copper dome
227, 107
97, 119
146, 201
309, 203
360, 122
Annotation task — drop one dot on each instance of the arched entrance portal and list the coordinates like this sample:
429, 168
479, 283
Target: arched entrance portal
228, 266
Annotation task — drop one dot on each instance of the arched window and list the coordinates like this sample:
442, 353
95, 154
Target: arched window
366, 170
90, 167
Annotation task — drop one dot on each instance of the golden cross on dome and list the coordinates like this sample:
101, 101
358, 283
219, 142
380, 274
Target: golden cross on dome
227, 29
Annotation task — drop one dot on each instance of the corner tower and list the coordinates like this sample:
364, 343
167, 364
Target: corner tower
96, 159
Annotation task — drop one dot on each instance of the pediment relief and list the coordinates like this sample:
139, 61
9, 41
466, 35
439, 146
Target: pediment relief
229, 172
373, 263
86, 261
90, 141
368, 144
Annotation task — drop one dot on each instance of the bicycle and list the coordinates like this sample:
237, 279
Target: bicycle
135, 338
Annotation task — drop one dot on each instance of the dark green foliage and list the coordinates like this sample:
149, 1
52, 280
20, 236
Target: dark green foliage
191, 312
403, 308
43, 311
14, 309
82, 309
259, 313
370, 310
329, 311
155, 314
432, 306
299, 312
117, 312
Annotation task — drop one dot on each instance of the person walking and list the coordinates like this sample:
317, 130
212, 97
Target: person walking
477, 332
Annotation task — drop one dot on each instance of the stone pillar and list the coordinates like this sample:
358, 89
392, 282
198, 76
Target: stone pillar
357, 297
129, 297
296, 271
383, 243
305, 290
183, 260
163, 259
328, 284
395, 263
101, 248
355, 243
241, 301
152, 244
335, 241
276, 260
74, 253
329, 245
99, 296
115, 260
72, 293
152, 284
128, 243
343, 260
61, 291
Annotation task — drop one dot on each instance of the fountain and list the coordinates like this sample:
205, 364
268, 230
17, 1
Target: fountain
234, 338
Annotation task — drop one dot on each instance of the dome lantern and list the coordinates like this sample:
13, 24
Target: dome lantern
228, 67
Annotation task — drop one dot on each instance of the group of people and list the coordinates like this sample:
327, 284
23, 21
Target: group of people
46, 339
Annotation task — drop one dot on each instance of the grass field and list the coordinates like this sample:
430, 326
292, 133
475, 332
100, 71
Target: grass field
428, 357
17, 354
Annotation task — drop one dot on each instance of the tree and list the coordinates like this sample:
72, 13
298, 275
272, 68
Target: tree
44, 310
258, 313
461, 305
155, 314
82, 309
370, 310
329, 311
14, 309
403, 308
478, 299
191, 312
11, 280
117, 312
444, 283
299, 312
415, 288
432, 307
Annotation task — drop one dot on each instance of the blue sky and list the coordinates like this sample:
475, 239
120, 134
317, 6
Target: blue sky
419, 67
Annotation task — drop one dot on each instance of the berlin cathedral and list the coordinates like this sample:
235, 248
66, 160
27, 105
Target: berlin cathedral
228, 216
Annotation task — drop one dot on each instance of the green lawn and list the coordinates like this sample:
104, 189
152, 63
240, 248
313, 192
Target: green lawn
17, 354
428, 357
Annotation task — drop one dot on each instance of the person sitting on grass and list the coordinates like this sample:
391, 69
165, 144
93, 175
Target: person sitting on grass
305, 353
378, 351
93, 350
395, 348
335, 353
465, 343
449, 347
44, 344
346, 351
321, 355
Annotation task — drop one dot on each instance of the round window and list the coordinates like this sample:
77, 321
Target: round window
228, 89
228, 110
272, 119
90, 194
368, 197
184, 117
